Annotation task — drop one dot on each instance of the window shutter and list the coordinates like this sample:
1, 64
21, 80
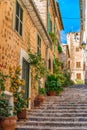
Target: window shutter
54, 28
49, 22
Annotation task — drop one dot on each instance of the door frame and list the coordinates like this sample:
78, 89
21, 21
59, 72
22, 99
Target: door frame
23, 54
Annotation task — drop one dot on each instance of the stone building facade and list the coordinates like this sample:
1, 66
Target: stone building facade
83, 32
21, 25
65, 57
76, 57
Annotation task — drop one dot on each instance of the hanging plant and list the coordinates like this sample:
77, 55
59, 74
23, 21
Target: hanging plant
38, 64
59, 48
53, 37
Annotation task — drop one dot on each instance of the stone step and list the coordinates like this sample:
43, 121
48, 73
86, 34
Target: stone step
60, 114
51, 128
65, 105
56, 123
67, 112
58, 111
47, 128
62, 107
62, 102
35, 118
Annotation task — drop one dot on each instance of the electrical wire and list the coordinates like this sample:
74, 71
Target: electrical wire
70, 18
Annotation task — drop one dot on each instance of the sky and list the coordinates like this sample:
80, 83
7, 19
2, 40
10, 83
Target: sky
70, 11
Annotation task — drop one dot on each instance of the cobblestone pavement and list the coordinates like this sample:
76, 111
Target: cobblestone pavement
67, 111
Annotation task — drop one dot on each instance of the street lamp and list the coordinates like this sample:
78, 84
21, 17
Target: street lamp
83, 45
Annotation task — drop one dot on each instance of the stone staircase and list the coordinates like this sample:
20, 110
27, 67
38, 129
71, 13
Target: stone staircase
65, 112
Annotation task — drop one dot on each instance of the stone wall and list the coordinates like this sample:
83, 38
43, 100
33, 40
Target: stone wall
76, 55
11, 42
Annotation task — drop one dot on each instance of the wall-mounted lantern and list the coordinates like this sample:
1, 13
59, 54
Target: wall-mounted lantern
83, 45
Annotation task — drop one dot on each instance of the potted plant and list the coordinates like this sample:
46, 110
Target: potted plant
52, 85
7, 121
18, 89
40, 98
20, 105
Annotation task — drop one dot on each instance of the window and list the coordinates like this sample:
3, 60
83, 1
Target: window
78, 64
49, 64
78, 76
19, 19
49, 23
38, 45
83, 66
48, 3
77, 49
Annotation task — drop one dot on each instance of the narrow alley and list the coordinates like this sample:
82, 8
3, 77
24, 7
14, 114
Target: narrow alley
43, 64
68, 111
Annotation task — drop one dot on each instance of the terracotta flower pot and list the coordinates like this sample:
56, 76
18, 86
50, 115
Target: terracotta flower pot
41, 97
39, 100
9, 123
52, 93
22, 114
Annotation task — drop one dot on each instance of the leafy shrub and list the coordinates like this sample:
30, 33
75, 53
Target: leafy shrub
58, 71
42, 91
52, 83
68, 80
4, 107
4, 102
59, 48
79, 81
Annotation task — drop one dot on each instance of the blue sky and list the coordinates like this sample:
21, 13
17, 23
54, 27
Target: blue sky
70, 10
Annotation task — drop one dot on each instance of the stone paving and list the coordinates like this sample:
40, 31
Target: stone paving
67, 111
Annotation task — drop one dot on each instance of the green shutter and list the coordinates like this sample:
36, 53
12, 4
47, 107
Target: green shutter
48, 22
50, 26
54, 28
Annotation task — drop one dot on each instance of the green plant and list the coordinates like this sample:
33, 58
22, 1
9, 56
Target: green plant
58, 71
38, 65
4, 107
18, 89
4, 103
59, 48
19, 102
68, 80
2, 81
52, 83
53, 37
42, 91
54, 41
79, 81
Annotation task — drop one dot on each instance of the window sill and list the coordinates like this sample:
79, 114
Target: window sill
21, 37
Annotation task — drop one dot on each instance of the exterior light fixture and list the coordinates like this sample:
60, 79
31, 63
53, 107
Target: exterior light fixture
83, 45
